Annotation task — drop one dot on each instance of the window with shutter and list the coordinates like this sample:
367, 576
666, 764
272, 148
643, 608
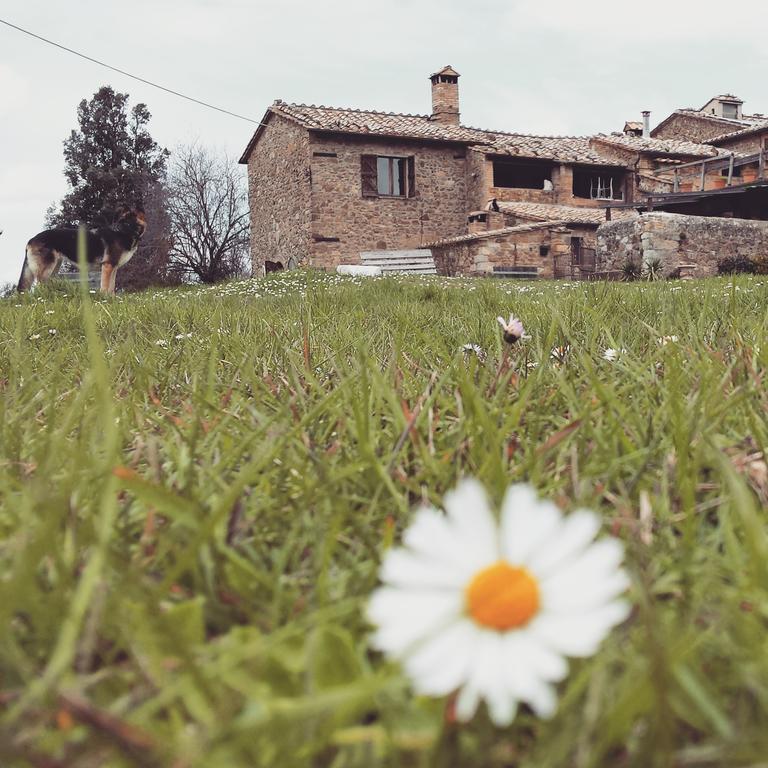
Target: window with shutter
368, 175
383, 176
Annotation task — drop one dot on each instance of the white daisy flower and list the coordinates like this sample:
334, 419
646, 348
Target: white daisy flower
491, 609
612, 355
559, 354
513, 330
475, 349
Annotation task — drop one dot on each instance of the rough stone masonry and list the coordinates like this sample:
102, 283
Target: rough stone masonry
675, 240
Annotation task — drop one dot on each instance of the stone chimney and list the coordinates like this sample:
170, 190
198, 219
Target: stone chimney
445, 96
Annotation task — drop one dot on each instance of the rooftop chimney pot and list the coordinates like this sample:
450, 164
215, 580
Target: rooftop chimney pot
646, 124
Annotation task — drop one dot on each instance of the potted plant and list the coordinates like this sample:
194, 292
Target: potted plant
748, 175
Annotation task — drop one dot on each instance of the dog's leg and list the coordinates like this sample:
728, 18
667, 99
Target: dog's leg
112, 278
106, 276
27, 276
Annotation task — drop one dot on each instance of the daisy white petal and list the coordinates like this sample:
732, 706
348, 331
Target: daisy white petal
486, 662
525, 523
580, 634
468, 511
467, 702
529, 658
401, 567
432, 535
440, 665
571, 592
576, 532
404, 617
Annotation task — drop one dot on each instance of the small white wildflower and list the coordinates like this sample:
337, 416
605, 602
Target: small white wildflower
161, 343
559, 354
52, 331
475, 349
612, 354
34, 337
50, 312
664, 340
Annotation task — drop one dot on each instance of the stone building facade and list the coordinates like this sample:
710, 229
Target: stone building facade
328, 184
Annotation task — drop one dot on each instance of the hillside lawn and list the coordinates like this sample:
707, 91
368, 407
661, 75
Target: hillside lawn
197, 485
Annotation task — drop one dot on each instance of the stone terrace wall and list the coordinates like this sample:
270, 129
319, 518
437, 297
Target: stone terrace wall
675, 240
279, 195
344, 223
509, 249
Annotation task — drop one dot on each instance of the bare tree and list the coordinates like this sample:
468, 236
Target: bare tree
208, 209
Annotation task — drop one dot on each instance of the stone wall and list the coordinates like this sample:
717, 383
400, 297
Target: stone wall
526, 246
279, 195
344, 223
674, 240
745, 145
689, 128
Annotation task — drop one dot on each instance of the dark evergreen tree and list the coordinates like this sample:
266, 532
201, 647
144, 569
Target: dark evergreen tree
111, 159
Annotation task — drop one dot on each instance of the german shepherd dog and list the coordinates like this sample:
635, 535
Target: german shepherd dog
111, 246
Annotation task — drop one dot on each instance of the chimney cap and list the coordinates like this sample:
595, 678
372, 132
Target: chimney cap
448, 71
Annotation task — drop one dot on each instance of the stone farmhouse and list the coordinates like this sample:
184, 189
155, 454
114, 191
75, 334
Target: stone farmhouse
329, 186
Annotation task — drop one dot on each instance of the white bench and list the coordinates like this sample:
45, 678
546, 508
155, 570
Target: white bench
415, 262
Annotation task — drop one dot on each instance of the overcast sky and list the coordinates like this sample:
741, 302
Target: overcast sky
557, 67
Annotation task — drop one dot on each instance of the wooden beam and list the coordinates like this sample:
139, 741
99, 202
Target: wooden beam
676, 185
713, 163
703, 174
730, 171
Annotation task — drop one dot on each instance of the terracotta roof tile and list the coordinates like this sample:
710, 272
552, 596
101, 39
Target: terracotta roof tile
566, 149
757, 127
674, 147
361, 121
570, 214
493, 233
744, 120
571, 149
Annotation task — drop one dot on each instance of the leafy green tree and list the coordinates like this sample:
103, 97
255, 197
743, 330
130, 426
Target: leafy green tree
111, 159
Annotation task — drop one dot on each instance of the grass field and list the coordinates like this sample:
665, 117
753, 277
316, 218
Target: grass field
196, 488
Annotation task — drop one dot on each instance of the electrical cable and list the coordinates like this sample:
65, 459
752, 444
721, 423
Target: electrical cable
128, 74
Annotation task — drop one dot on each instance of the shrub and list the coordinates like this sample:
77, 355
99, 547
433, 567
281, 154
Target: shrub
652, 269
734, 265
630, 270
761, 264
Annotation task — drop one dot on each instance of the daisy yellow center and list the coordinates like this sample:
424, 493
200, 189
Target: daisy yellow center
502, 596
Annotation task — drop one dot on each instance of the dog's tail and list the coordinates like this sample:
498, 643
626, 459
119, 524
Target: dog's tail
27, 276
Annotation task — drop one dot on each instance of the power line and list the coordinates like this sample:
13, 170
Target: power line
128, 74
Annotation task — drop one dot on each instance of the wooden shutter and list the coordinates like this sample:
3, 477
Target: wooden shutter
368, 176
411, 177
